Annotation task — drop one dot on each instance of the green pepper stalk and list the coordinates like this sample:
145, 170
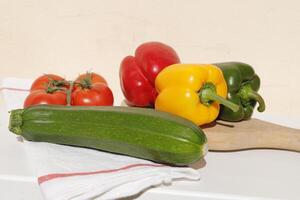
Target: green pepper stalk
247, 94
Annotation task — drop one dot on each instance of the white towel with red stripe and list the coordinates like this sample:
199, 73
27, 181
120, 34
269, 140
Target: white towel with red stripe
66, 172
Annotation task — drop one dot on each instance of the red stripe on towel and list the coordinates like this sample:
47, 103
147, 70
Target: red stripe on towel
49, 177
14, 89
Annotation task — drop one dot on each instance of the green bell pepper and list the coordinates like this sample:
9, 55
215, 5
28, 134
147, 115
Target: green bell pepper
243, 84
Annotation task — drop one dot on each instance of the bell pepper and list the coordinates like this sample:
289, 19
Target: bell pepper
137, 73
192, 91
243, 84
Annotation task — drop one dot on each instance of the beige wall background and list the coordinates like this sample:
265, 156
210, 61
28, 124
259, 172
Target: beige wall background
68, 37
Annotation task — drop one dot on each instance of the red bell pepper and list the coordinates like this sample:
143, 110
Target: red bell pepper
138, 73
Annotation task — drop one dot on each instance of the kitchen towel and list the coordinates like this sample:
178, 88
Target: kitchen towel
65, 172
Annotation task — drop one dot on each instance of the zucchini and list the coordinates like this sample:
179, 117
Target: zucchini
138, 132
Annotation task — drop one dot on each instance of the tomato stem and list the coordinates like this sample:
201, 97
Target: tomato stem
69, 93
54, 85
86, 82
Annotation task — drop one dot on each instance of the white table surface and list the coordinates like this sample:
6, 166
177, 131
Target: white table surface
252, 174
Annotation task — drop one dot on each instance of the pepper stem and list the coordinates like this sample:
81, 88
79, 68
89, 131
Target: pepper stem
247, 93
208, 94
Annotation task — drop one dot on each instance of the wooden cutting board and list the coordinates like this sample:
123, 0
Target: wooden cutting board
251, 134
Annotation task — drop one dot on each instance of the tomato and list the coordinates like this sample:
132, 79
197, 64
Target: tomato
97, 94
43, 97
91, 89
44, 81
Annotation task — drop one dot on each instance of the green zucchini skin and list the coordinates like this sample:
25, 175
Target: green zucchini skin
138, 132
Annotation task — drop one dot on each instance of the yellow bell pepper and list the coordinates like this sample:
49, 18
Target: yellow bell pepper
192, 91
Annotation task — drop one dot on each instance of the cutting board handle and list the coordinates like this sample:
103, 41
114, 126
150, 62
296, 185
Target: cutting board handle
251, 134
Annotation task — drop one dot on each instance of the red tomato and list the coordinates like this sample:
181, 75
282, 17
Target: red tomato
42, 97
43, 81
97, 94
